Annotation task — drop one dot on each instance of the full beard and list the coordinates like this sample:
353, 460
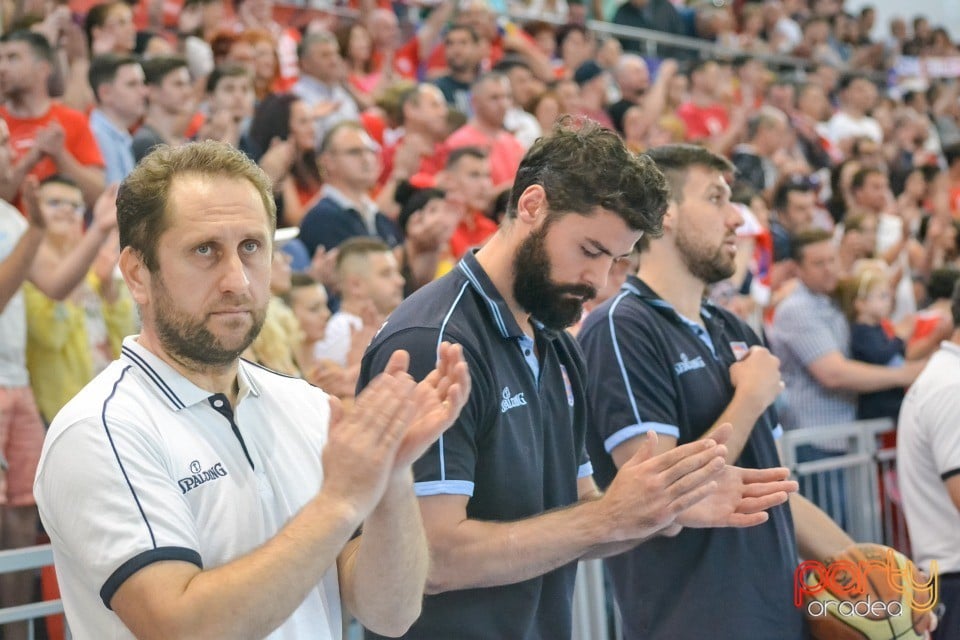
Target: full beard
557, 306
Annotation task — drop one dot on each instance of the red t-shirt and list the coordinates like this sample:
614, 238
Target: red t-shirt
406, 59
466, 237
430, 165
703, 122
78, 139
505, 151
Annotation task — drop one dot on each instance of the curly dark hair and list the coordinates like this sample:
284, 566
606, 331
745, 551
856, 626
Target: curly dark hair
583, 167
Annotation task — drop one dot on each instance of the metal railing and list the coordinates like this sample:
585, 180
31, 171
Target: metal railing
869, 510
25, 559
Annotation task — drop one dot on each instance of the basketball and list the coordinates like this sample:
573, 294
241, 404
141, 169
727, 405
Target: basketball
867, 592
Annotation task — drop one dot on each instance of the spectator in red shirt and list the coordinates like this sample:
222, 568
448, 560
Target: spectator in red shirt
46, 137
706, 119
491, 98
469, 192
420, 151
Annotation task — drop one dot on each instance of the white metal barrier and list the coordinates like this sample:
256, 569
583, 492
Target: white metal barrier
25, 559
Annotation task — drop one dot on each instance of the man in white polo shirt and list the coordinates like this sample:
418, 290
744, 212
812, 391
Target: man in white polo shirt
189, 493
928, 465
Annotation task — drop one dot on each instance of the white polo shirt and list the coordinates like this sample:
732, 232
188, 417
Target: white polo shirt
144, 466
928, 453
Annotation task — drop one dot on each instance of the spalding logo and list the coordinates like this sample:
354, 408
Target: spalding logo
199, 476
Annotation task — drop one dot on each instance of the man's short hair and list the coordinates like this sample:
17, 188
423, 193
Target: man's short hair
316, 37
158, 68
38, 44
510, 62
332, 133
676, 160
454, 157
59, 178
144, 195
463, 27
951, 153
800, 241
848, 79
227, 70
860, 177
583, 167
358, 247
764, 117
941, 284
104, 68
790, 184
490, 76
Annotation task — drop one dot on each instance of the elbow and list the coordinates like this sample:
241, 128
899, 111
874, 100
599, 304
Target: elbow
438, 580
398, 623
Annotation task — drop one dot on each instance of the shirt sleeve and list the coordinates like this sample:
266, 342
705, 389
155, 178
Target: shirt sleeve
941, 413
449, 465
107, 499
630, 389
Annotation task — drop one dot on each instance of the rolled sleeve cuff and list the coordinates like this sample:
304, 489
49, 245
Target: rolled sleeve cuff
585, 470
141, 560
443, 487
635, 430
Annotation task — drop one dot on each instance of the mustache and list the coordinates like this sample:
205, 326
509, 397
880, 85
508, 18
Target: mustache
584, 291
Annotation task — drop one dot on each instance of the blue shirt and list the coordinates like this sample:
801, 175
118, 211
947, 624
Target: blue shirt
335, 219
115, 144
652, 369
517, 449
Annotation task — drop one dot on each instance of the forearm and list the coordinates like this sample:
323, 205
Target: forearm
479, 554
253, 595
14, 270
382, 580
90, 179
818, 537
64, 276
742, 413
386, 198
860, 377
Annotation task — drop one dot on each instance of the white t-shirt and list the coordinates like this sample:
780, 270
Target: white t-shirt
13, 318
842, 126
143, 466
928, 452
337, 337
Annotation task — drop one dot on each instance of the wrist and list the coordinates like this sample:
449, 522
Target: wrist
335, 509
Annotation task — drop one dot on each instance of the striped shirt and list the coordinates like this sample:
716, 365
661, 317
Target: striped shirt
806, 327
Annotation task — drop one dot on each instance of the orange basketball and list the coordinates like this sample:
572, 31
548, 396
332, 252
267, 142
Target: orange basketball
867, 592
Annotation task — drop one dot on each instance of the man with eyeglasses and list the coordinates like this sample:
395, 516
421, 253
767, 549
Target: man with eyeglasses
350, 165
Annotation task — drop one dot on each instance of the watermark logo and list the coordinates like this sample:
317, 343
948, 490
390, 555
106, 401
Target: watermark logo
879, 586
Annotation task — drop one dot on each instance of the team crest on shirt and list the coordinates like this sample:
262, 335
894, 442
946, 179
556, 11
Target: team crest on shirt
511, 401
199, 475
687, 364
739, 349
566, 385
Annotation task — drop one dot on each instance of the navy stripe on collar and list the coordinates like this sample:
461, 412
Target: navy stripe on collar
153, 375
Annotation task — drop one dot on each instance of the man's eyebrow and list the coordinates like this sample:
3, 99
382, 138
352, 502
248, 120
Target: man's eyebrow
599, 247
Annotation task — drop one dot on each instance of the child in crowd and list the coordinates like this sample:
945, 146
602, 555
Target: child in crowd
866, 298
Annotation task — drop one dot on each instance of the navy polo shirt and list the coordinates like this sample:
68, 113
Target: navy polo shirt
516, 450
651, 368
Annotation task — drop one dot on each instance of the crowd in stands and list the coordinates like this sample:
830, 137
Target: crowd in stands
392, 134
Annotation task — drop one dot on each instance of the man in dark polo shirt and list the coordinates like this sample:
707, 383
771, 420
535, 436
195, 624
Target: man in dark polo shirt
663, 359
507, 497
